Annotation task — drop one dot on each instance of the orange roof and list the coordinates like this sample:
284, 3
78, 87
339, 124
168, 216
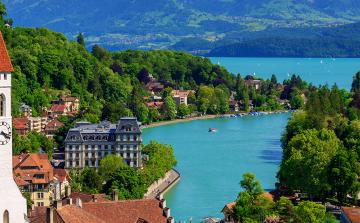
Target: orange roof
154, 104
54, 124
180, 93
88, 197
58, 108
61, 174
74, 214
128, 211
353, 214
33, 168
5, 62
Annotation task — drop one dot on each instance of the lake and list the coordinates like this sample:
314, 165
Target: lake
314, 70
211, 164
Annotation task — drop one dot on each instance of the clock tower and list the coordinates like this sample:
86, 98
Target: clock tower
12, 203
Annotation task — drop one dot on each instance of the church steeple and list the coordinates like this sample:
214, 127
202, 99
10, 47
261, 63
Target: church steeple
12, 203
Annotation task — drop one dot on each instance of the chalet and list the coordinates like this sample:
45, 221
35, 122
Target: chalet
34, 174
22, 125
154, 104
25, 110
58, 110
52, 127
251, 82
181, 96
154, 87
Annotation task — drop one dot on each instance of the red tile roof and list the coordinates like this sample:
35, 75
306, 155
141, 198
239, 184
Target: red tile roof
129, 211
353, 214
61, 174
21, 123
40, 165
85, 198
54, 124
5, 62
74, 214
154, 104
58, 108
180, 93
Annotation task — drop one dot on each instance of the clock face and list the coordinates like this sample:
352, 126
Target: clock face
5, 133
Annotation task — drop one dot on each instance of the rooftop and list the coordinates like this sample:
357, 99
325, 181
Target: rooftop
353, 214
5, 61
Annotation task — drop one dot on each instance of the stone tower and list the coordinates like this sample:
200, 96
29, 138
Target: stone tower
12, 203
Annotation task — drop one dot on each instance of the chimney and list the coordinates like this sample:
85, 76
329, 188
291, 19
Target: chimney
94, 198
68, 201
167, 212
78, 202
50, 215
115, 195
57, 204
170, 220
163, 203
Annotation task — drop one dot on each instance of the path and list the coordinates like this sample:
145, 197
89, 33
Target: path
163, 184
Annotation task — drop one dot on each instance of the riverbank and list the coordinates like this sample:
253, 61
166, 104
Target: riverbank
162, 185
204, 117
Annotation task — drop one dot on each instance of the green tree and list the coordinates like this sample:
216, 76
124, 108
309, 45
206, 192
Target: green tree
128, 182
343, 173
90, 180
310, 152
169, 108
183, 110
109, 165
310, 212
80, 39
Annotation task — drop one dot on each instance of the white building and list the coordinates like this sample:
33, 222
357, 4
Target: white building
12, 203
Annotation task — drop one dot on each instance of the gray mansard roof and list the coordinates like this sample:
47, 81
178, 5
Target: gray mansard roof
105, 131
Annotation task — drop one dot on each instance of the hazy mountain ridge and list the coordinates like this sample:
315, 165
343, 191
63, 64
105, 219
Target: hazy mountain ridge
158, 24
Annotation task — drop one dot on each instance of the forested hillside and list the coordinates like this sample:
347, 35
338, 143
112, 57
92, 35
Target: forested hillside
124, 24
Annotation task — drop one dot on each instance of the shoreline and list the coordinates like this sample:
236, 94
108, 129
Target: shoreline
161, 186
206, 117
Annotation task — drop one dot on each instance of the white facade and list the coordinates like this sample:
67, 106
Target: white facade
12, 203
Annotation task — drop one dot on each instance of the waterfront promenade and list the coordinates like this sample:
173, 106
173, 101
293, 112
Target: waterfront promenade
162, 185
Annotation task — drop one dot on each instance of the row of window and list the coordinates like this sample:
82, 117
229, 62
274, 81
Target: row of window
93, 164
106, 147
100, 154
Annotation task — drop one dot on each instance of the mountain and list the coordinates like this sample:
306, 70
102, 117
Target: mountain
144, 24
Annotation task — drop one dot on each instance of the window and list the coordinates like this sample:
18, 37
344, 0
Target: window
6, 217
40, 204
5, 76
40, 195
2, 105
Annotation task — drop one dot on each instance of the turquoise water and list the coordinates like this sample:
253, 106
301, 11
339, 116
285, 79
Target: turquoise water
314, 70
212, 164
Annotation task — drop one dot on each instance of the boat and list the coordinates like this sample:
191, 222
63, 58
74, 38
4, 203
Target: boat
212, 130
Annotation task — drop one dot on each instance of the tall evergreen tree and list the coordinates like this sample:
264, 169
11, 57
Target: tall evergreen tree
80, 39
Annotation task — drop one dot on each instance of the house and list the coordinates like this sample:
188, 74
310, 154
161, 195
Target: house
234, 106
228, 212
350, 215
58, 110
154, 86
25, 110
251, 82
25, 125
154, 104
103, 211
52, 127
34, 174
22, 125
181, 96
62, 185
